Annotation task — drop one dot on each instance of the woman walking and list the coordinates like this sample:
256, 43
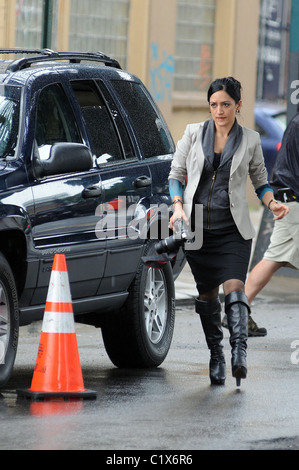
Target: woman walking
210, 167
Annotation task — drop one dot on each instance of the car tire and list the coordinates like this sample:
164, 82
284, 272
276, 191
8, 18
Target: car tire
140, 334
9, 321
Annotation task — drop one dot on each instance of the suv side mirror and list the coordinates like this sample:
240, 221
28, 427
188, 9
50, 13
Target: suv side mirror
65, 157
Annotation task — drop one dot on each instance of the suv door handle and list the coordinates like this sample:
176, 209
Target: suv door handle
92, 191
143, 181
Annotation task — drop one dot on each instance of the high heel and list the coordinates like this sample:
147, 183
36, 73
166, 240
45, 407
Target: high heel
237, 308
239, 373
210, 315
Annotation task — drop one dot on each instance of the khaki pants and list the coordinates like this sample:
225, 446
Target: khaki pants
284, 241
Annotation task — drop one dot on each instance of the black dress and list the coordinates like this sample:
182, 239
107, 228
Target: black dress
224, 255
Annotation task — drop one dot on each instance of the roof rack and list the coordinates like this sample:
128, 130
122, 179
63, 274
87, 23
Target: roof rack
44, 55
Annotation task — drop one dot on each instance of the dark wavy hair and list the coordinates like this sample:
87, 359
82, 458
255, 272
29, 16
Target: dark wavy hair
229, 84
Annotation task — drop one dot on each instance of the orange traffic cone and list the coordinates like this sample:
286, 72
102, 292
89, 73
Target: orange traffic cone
57, 371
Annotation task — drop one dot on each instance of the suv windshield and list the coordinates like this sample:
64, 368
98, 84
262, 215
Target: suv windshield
10, 97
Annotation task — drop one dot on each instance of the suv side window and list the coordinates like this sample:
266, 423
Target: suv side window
101, 129
125, 139
150, 127
55, 120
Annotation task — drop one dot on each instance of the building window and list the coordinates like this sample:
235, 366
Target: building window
100, 25
194, 45
29, 24
95, 25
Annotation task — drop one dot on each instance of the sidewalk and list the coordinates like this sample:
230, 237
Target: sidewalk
185, 289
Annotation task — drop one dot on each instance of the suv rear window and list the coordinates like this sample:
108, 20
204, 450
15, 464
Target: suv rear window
149, 125
102, 132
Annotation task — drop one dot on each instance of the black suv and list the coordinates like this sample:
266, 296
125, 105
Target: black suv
84, 160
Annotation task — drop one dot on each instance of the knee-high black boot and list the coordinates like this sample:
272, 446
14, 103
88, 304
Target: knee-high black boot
237, 308
210, 315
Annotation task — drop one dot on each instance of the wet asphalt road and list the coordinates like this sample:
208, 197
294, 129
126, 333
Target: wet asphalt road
172, 407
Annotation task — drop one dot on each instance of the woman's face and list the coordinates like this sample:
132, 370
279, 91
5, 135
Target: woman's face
223, 109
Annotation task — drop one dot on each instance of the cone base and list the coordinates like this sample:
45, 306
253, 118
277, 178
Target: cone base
85, 394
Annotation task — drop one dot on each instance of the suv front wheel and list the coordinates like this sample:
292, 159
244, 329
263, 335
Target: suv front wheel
140, 334
9, 321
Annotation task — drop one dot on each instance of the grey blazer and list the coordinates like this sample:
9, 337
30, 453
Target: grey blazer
188, 162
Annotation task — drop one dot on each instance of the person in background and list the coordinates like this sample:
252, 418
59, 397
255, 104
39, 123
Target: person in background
210, 168
283, 249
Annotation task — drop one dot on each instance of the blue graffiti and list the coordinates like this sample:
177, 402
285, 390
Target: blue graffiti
161, 75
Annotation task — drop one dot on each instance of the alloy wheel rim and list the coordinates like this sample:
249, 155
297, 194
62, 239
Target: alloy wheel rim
4, 323
155, 305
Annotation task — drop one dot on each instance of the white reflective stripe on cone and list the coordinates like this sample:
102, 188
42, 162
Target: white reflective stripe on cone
58, 322
59, 287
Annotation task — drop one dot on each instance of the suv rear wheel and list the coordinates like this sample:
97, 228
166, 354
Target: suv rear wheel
9, 321
140, 334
